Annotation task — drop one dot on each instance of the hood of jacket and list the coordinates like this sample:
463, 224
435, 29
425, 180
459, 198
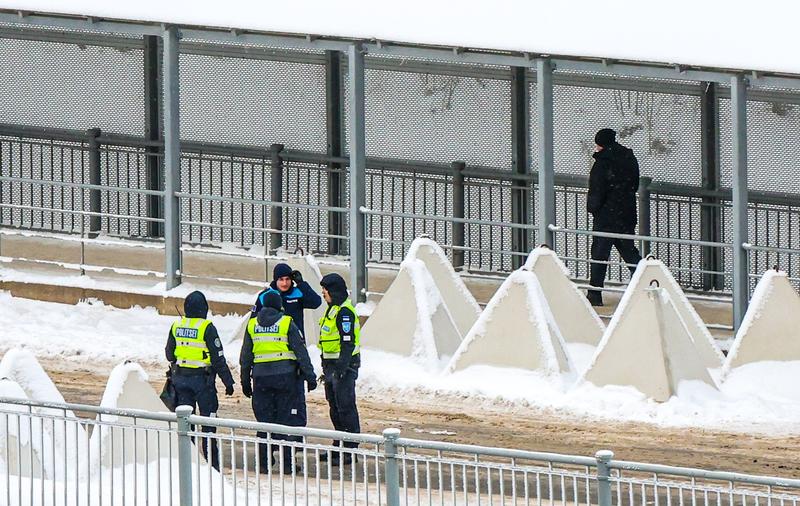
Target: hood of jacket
336, 287
195, 305
268, 316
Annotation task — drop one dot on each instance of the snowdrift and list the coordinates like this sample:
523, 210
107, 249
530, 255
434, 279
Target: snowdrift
648, 346
412, 318
20, 453
575, 317
771, 326
516, 329
69, 438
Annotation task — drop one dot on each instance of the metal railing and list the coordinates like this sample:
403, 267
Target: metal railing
90, 183
76, 454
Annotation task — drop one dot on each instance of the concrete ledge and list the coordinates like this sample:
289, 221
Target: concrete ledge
121, 300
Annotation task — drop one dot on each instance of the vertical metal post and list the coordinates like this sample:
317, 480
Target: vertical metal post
391, 470
643, 194
333, 122
711, 211
358, 162
458, 212
152, 132
544, 109
184, 455
603, 474
276, 195
172, 159
94, 178
739, 134
520, 162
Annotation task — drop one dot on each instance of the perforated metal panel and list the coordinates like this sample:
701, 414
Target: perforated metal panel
662, 129
252, 102
73, 86
773, 132
436, 117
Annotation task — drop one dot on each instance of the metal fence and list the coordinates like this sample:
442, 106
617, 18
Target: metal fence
54, 454
454, 145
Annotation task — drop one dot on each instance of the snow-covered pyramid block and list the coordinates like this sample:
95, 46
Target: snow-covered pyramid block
21, 449
412, 319
575, 317
650, 270
771, 326
516, 329
127, 388
21, 367
648, 346
458, 299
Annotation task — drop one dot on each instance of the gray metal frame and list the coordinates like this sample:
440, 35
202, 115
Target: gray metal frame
391, 469
113, 33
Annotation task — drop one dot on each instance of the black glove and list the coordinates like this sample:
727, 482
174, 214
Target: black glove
311, 383
297, 277
229, 390
321, 379
247, 389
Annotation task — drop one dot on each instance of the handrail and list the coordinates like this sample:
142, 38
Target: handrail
409, 443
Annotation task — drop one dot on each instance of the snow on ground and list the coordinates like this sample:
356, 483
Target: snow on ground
760, 397
93, 331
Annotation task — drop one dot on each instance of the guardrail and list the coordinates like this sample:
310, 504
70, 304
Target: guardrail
91, 183
58, 453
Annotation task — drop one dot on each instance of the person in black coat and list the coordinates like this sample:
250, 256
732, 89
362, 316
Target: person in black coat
272, 384
296, 293
613, 182
195, 384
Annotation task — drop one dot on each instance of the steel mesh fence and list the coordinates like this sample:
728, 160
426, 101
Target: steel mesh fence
257, 102
72, 85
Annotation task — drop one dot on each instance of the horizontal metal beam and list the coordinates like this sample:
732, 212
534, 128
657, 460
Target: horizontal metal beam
87, 24
443, 54
264, 39
65, 37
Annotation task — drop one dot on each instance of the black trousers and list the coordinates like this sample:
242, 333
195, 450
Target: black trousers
341, 396
601, 250
275, 400
200, 392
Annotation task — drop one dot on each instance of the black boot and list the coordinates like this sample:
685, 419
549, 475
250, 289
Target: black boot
595, 297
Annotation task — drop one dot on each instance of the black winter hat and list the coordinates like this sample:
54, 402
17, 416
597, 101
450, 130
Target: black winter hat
605, 137
273, 299
281, 271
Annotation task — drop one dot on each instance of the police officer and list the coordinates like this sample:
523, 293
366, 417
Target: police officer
341, 358
273, 357
195, 353
296, 295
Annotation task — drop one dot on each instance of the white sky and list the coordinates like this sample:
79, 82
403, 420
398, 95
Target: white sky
731, 34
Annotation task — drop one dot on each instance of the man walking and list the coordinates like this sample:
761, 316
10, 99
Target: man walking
613, 182
273, 357
341, 358
195, 353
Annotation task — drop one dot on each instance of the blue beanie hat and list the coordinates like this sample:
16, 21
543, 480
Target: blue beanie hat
272, 299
